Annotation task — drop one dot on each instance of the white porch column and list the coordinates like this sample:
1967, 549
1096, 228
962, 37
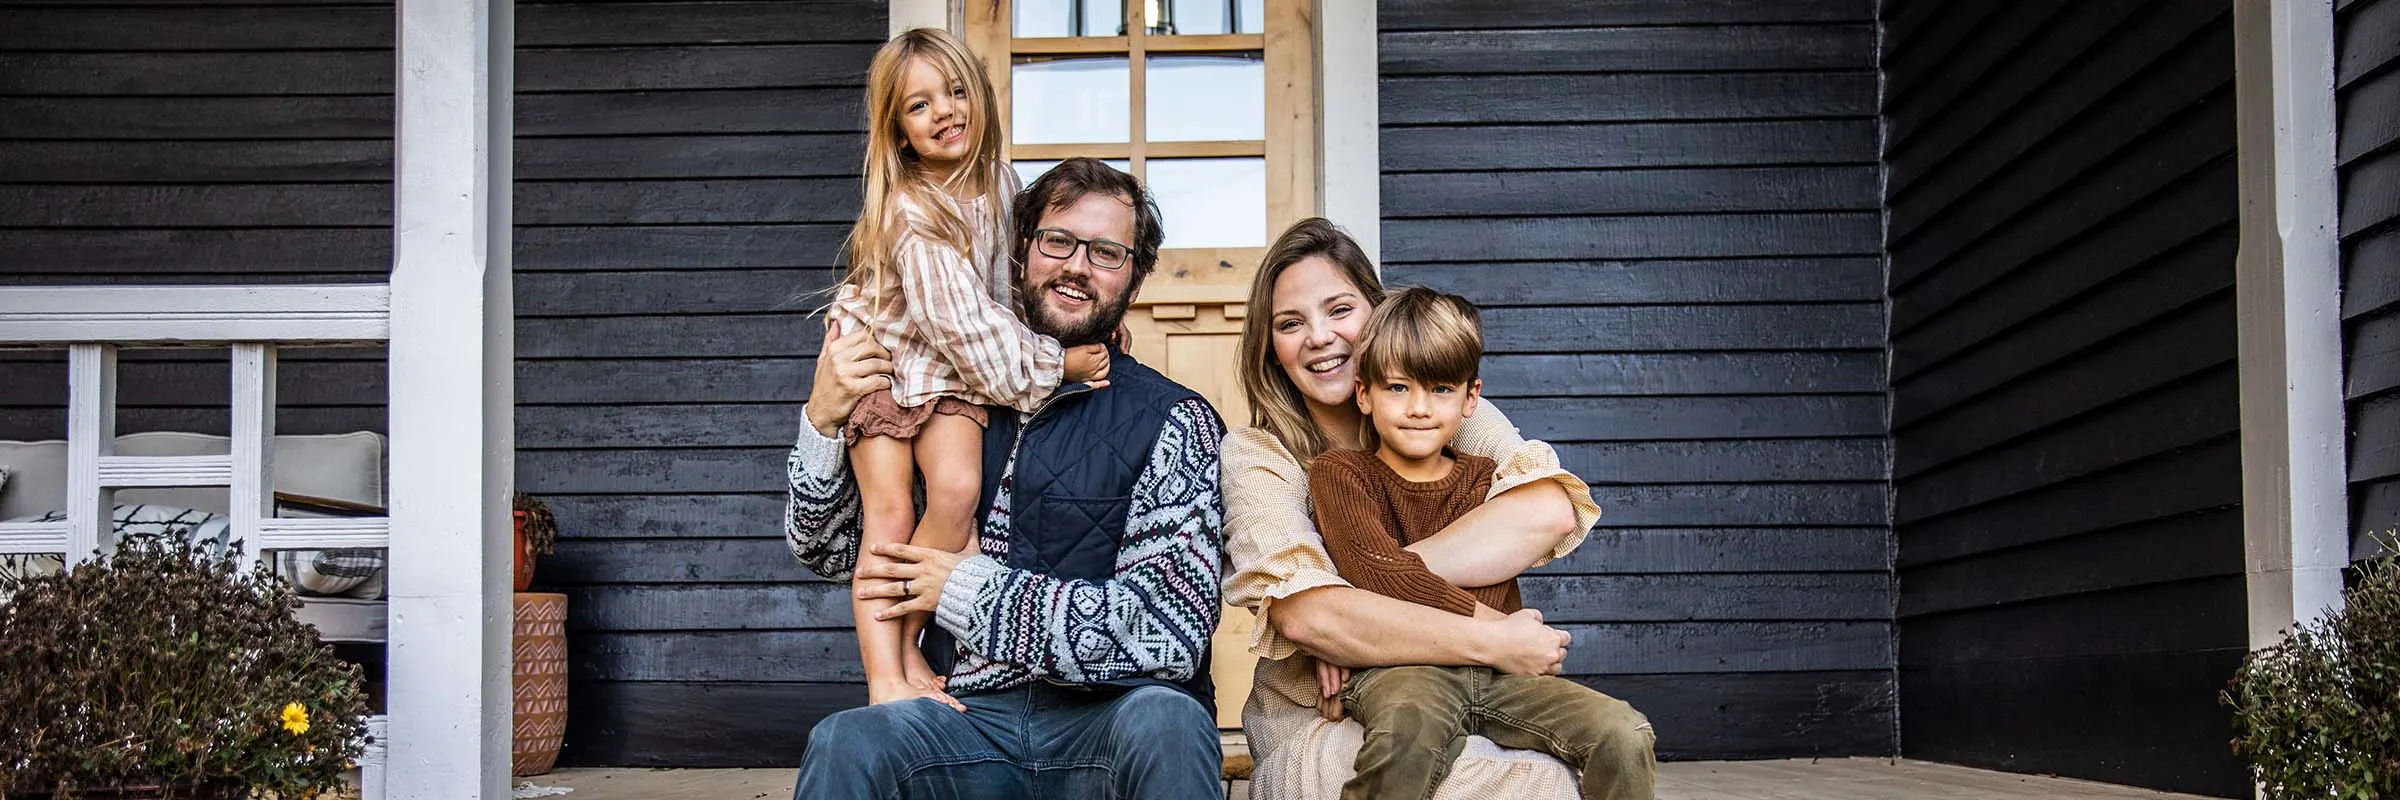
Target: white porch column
908, 15
1349, 126
2288, 274
451, 390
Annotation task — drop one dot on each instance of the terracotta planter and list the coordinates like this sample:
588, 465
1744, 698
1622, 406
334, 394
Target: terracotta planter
525, 555
540, 682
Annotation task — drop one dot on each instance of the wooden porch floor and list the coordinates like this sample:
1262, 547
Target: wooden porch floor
1825, 779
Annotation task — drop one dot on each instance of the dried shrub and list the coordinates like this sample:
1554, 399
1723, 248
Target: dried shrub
541, 529
2318, 716
161, 665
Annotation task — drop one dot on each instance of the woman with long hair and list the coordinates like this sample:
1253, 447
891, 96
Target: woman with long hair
1311, 299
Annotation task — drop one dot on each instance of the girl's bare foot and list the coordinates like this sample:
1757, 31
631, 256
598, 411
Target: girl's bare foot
880, 692
919, 673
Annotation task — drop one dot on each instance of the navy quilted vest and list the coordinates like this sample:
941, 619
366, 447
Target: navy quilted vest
1077, 459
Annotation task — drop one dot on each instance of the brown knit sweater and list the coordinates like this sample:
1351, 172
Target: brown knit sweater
1368, 515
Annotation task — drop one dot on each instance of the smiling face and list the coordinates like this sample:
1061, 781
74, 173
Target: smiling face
1413, 419
1318, 316
936, 117
1068, 299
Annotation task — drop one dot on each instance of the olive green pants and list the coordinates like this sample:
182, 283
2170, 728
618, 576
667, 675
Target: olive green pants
1419, 718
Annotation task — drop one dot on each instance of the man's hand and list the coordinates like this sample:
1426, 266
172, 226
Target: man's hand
915, 575
1331, 678
1522, 645
849, 366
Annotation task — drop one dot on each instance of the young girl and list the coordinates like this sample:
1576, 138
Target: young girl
928, 277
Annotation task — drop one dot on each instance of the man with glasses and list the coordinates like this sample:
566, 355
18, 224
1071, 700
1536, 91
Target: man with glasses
1080, 618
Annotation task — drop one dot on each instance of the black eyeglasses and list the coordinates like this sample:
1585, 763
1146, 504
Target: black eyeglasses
1060, 244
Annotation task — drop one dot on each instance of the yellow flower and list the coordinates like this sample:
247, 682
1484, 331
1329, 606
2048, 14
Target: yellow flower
295, 719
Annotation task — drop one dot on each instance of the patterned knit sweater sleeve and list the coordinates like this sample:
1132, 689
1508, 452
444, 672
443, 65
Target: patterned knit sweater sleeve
821, 519
1350, 502
1153, 616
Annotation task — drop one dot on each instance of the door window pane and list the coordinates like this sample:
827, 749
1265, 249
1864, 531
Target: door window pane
1211, 202
1027, 171
1071, 100
1205, 98
1208, 17
1050, 18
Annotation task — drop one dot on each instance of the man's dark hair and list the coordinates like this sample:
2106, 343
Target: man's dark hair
1067, 183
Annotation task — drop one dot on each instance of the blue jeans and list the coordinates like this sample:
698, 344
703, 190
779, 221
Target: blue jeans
1038, 741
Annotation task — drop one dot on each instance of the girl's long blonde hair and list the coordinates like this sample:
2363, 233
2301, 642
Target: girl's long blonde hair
1275, 404
892, 169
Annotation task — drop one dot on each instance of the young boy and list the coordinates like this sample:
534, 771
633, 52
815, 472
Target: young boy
1417, 380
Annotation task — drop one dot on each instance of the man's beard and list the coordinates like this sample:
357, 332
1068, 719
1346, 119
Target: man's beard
1095, 328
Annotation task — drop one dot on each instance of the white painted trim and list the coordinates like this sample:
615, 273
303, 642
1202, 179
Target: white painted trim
91, 441
908, 15
449, 727
322, 533
193, 314
33, 537
129, 472
251, 457
1349, 116
2287, 296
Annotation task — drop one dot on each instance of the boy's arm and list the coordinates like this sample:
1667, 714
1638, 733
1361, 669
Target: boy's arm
1153, 616
1368, 555
821, 519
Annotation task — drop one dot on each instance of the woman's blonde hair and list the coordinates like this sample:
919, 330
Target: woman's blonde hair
893, 169
1275, 404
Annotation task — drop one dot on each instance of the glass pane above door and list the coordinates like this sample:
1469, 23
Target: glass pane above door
1071, 100
1203, 98
1054, 18
1211, 202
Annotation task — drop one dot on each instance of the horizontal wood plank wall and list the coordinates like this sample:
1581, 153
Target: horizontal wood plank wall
2367, 100
2065, 424
686, 172
197, 143
1668, 212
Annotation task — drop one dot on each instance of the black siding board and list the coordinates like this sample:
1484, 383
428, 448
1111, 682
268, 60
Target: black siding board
686, 174
1646, 191
2166, 728
1610, 97
2121, 369
1720, 48
2368, 47
1670, 214
1628, 144
2065, 401
2369, 117
1410, 15
2035, 97
2364, 40
1733, 280
110, 172
1918, 94
2178, 548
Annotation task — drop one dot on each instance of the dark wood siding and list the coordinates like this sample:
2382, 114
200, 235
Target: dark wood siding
195, 144
2367, 86
1668, 211
2065, 423
685, 172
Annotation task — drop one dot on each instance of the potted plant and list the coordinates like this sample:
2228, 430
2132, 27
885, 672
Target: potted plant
536, 536
162, 671
2318, 716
